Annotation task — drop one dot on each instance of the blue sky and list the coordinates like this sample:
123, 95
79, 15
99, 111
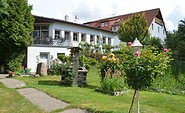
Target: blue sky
172, 10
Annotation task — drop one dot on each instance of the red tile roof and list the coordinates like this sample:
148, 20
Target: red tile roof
41, 19
150, 15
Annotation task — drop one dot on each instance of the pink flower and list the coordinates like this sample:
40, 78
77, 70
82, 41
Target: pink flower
165, 50
129, 43
137, 53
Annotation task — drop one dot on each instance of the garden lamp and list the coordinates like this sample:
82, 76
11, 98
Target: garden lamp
136, 45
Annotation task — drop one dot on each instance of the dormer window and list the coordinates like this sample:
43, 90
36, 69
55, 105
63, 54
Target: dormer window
102, 24
114, 28
106, 24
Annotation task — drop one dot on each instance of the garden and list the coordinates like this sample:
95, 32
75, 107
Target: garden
152, 74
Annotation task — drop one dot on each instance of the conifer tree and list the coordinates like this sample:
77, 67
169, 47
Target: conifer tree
134, 27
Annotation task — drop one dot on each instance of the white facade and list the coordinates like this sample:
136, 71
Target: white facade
46, 47
155, 30
80, 30
36, 54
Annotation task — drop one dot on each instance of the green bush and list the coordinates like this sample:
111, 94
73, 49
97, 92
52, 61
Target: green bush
113, 84
63, 58
15, 63
112, 77
87, 62
55, 69
177, 68
67, 76
169, 84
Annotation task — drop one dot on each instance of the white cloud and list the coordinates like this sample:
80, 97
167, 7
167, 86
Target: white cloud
88, 10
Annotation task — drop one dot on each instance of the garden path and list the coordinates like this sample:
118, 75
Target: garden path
37, 97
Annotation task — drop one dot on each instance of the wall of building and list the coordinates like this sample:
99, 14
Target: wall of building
41, 53
161, 33
79, 29
157, 31
116, 40
34, 52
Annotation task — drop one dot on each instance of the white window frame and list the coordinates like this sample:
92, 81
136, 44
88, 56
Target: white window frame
75, 36
102, 24
57, 34
106, 23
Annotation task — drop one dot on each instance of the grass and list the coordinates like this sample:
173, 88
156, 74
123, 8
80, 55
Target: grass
12, 102
87, 98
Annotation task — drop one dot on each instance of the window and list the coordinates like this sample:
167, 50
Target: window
102, 24
75, 36
109, 41
97, 40
91, 38
114, 28
41, 34
41, 31
163, 31
152, 26
67, 35
57, 34
44, 27
158, 29
44, 55
106, 24
104, 40
83, 37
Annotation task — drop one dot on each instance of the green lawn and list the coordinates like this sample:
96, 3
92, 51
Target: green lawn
87, 98
12, 102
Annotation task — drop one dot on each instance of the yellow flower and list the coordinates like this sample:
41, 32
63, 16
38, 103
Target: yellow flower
117, 60
111, 55
114, 59
104, 58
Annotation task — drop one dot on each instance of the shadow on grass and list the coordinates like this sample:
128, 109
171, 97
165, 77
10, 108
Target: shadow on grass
49, 82
58, 83
90, 86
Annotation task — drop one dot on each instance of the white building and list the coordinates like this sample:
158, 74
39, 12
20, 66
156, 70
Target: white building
156, 25
53, 37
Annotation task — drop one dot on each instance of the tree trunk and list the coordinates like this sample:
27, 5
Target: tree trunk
131, 106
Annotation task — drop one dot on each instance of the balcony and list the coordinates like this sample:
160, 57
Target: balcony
51, 42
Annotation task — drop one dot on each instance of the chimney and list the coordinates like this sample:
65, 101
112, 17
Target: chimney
66, 18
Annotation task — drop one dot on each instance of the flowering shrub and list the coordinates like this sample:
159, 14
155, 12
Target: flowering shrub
109, 65
110, 73
142, 68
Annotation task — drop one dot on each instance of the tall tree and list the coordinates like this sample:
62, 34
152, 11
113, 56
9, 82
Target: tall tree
134, 27
176, 40
15, 30
3, 6
181, 40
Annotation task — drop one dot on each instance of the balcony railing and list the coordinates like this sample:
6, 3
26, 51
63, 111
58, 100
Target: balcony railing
51, 42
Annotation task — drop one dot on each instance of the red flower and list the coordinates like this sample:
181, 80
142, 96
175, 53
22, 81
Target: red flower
137, 53
129, 43
165, 50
